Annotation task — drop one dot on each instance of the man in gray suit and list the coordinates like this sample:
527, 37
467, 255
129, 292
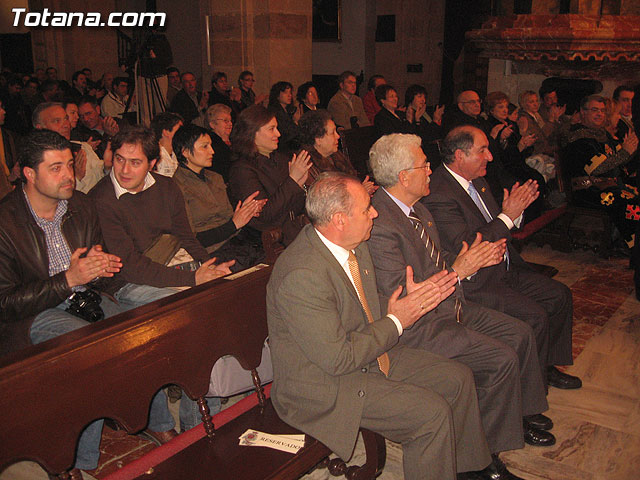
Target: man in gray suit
463, 206
326, 332
500, 350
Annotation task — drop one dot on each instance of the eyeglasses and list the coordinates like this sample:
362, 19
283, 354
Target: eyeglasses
473, 101
428, 165
224, 120
596, 110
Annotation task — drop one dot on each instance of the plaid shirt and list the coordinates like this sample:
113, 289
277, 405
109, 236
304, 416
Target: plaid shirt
57, 248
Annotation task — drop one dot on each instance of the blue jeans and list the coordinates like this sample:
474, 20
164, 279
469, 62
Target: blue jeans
190, 412
54, 322
133, 295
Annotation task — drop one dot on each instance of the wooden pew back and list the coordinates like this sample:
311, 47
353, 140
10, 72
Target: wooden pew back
112, 368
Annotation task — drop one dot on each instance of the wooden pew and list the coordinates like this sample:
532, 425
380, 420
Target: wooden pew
114, 367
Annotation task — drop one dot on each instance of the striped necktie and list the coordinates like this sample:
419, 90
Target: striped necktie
434, 253
383, 360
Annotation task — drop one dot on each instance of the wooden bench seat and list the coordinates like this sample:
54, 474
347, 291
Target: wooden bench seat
112, 369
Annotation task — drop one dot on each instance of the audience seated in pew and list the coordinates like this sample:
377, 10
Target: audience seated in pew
216, 224
345, 106
219, 121
89, 169
258, 166
287, 115
599, 167
165, 125
93, 126
499, 349
428, 121
144, 222
337, 366
55, 276
319, 137
462, 206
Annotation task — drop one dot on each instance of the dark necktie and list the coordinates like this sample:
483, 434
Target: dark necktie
434, 253
383, 360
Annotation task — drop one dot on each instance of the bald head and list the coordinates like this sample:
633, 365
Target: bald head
469, 103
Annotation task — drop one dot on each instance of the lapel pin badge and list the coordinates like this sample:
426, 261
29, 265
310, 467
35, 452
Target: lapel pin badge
483, 189
366, 272
429, 224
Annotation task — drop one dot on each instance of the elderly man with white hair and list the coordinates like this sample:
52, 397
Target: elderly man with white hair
500, 350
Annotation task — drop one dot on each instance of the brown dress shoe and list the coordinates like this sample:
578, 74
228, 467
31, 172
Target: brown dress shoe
160, 438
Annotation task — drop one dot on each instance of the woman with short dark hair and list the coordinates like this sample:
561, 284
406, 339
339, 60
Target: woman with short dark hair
319, 137
426, 121
387, 120
212, 218
307, 97
287, 115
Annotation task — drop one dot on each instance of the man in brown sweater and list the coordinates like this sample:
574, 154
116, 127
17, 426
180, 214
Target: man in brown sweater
144, 222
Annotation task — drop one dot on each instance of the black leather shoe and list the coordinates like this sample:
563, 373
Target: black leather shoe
496, 470
565, 381
538, 438
539, 421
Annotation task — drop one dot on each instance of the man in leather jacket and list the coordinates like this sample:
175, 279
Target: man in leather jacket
50, 249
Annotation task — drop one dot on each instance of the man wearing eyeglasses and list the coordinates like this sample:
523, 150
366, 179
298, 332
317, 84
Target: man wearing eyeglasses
346, 106
599, 167
500, 350
468, 112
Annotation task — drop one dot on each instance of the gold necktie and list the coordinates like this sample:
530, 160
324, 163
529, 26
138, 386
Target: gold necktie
383, 360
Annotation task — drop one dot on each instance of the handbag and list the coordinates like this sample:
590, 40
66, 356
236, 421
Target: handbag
228, 378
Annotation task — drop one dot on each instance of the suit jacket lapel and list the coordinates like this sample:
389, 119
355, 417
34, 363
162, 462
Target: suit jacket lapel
401, 220
464, 196
333, 264
487, 197
429, 225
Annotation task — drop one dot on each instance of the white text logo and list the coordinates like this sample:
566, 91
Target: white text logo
88, 19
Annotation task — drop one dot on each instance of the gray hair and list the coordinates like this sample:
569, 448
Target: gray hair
388, 157
329, 195
214, 110
460, 138
35, 116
